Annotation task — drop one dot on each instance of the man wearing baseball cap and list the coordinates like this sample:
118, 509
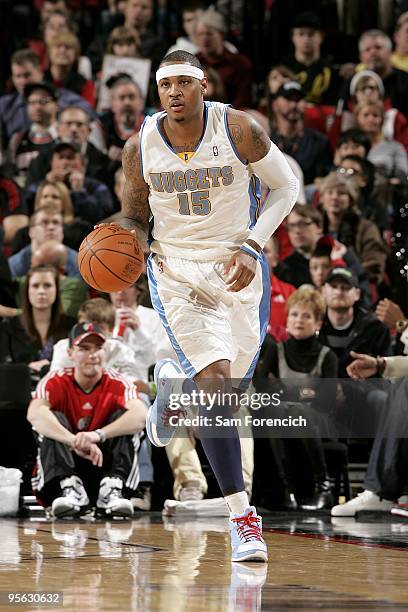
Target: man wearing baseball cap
348, 326
308, 147
86, 422
317, 75
25, 146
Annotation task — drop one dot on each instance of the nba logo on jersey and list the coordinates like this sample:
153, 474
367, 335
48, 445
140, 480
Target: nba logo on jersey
186, 157
215, 151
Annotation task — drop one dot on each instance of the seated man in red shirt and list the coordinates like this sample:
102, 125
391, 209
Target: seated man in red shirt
86, 421
280, 292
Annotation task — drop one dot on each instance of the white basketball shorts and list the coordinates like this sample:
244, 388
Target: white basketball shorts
204, 321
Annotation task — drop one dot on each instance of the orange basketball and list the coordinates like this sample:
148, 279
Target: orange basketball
110, 258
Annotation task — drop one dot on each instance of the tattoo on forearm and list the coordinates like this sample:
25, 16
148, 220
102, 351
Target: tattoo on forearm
236, 133
135, 199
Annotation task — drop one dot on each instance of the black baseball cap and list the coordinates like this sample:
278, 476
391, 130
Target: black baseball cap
61, 145
80, 331
44, 85
291, 90
345, 274
307, 19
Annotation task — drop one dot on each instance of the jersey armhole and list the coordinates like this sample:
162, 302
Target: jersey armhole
227, 130
140, 145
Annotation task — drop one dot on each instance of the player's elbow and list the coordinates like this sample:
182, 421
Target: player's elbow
292, 190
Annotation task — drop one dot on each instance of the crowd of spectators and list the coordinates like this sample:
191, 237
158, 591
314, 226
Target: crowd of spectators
339, 262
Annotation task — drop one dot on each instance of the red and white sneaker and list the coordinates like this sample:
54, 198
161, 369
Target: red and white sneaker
247, 542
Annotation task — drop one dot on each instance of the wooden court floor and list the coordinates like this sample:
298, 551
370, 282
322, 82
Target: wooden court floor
172, 564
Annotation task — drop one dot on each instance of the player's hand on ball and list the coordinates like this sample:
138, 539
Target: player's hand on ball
240, 271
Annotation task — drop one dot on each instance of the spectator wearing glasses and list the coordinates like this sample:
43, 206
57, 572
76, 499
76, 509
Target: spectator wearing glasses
45, 224
362, 173
305, 228
25, 146
367, 86
74, 125
25, 69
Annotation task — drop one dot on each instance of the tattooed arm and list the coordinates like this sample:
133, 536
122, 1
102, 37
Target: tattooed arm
135, 200
249, 138
269, 164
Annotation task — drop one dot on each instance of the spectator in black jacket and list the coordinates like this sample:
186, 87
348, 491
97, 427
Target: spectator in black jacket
92, 199
74, 125
310, 148
305, 228
348, 327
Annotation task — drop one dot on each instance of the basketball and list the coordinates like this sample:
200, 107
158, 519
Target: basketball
110, 258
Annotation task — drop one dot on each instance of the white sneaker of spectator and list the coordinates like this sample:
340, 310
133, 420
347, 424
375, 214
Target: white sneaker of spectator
367, 500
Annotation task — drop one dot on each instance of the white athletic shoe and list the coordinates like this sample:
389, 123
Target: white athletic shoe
74, 500
367, 500
170, 380
247, 542
110, 501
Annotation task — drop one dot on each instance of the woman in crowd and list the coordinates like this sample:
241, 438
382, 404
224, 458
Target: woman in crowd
343, 221
64, 52
388, 156
367, 86
296, 366
123, 42
374, 192
30, 336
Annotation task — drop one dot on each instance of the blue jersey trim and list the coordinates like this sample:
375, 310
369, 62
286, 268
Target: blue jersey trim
246, 250
264, 312
254, 194
159, 308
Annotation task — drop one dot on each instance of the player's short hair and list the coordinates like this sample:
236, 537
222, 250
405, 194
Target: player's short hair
181, 56
308, 212
354, 135
310, 298
98, 311
25, 56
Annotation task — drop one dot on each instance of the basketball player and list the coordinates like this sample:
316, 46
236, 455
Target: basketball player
194, 167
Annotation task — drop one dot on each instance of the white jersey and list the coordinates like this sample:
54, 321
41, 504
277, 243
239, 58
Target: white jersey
205, 203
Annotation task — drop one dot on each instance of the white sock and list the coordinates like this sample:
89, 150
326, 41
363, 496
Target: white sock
237, 502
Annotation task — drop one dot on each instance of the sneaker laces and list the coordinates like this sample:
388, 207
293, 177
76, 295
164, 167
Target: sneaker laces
248, 527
